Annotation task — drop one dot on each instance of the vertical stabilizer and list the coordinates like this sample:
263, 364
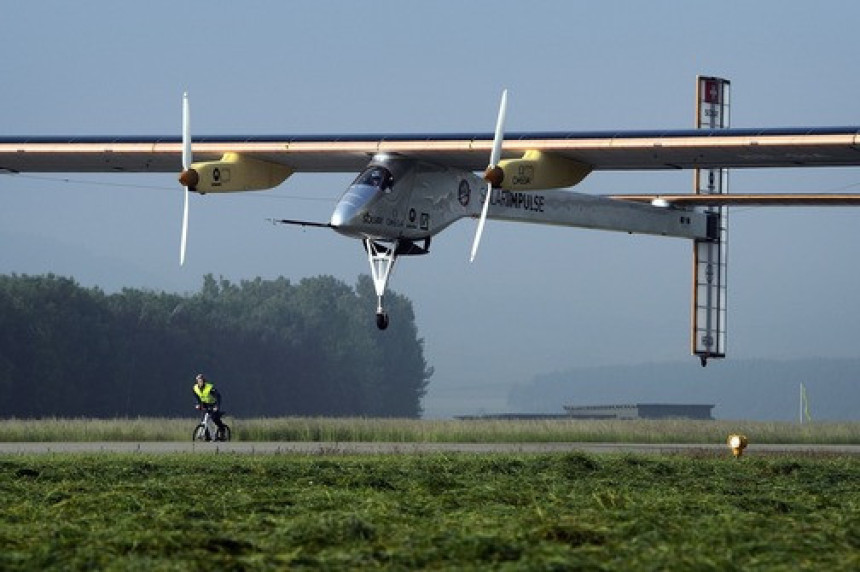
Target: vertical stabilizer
708, 335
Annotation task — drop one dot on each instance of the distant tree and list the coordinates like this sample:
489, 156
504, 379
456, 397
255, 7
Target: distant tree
399, 372
57, 346
274, 348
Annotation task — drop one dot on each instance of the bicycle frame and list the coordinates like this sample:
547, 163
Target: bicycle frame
209, 424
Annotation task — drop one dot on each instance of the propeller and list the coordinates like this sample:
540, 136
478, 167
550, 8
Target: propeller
189, 177
494, 174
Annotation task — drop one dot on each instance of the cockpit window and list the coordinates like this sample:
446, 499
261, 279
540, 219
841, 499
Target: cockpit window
378, 177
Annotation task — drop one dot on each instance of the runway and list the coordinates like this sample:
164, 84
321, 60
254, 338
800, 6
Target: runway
390, 448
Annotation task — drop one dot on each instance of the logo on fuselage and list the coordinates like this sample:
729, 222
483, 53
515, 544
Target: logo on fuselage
464, 194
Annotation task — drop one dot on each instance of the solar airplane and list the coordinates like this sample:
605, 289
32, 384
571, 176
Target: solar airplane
410, 188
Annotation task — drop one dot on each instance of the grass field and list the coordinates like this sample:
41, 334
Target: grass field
455, 511
410, 430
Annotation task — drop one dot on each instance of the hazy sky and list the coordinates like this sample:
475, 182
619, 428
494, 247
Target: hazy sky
537, 299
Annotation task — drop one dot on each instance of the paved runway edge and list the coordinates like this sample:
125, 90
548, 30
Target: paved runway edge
381, 448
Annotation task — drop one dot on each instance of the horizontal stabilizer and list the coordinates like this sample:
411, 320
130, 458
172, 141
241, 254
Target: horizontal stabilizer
750, 200
302, 223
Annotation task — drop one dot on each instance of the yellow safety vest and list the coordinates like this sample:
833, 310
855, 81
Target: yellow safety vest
205, 393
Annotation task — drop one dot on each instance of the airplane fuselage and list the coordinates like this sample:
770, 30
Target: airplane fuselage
397, 198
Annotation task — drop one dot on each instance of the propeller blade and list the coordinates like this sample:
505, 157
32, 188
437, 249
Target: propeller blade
481, 222
186, 133
186, 165
500, 131
495, 155
184, 230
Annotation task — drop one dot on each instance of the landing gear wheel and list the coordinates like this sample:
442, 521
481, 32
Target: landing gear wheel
382, 320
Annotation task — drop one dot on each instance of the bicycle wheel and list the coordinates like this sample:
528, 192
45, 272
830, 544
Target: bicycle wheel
224, 433
200, 433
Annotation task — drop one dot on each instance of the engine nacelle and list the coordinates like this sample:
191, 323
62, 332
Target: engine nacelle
235, 173
537, 171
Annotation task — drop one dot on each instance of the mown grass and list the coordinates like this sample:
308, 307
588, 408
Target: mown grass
452, 511
410, 430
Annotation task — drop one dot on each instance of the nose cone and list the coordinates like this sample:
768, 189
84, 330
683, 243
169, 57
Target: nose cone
346, 218
342, 216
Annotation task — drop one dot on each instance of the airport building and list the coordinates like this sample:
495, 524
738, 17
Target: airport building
636, 411
641, 411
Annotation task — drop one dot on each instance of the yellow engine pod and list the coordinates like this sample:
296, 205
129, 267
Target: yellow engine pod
236, 173
537, 170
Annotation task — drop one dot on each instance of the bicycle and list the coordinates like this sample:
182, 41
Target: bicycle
207, 428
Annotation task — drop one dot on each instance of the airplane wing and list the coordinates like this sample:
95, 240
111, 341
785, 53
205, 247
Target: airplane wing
603, 150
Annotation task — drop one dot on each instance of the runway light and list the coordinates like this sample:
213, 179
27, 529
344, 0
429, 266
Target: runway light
737, 443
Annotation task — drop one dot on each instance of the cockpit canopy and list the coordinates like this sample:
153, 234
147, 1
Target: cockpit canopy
375, 176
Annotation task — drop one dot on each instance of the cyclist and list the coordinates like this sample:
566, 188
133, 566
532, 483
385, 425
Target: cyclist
208, 398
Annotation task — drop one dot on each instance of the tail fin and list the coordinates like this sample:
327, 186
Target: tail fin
708, 335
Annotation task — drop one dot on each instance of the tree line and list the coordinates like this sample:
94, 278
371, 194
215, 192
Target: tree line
272, 348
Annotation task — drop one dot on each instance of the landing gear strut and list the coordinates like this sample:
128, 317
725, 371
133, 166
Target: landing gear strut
382, 261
